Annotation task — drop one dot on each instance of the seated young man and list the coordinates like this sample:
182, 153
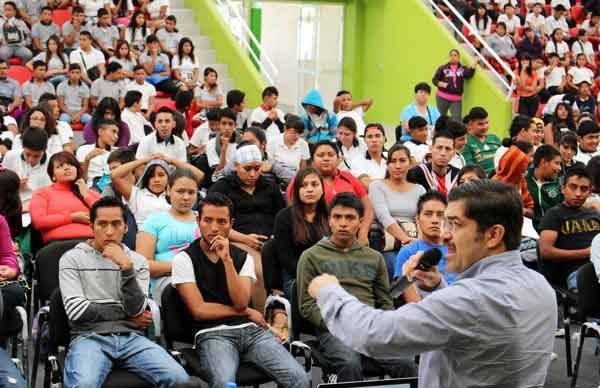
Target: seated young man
104, 287
361, 271
430, 215
343, 106
111, 85
37, 85
588, 137
543, 181
93, 157
148, 91
568, 147
214, 279
162, 140
567, 230
73, 97
439, 174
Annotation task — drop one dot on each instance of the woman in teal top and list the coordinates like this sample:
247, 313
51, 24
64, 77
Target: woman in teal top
164, 234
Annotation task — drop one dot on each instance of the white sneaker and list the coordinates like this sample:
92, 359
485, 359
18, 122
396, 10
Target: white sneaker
560, 333
554, 356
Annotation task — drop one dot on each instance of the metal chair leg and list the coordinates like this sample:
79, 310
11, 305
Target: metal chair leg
567, 323
582, 334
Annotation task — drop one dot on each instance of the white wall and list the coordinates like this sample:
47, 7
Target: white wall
280, 40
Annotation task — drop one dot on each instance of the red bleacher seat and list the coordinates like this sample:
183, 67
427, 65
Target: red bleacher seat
60, 17
15, 61
573, 32
577, 14
160, 94
168, 103
77, 127
548, 10
21, 74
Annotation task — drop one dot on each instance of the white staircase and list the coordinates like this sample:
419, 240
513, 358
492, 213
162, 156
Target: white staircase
203, 48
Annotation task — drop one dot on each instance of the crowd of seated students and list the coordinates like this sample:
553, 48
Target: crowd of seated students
184, 193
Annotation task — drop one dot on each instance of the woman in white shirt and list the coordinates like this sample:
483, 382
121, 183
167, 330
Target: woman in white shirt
557, 45
481, 22
125, 57
372, 165
350, 145
158, 10
55, 59
582, 45
186, 68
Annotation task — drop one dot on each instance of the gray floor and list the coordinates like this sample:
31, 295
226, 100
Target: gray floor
557, 376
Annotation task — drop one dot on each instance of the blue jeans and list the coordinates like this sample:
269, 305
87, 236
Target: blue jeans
390, 262
221, 352
10, 377
348, 364
85, 118
91, 356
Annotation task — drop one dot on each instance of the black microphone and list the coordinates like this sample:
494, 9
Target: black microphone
430, 259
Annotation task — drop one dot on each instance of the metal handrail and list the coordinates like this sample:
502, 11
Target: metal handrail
505, 67
270, 74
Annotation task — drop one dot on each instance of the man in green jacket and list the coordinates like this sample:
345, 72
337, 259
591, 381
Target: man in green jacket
481, 146
362, 272
543, 182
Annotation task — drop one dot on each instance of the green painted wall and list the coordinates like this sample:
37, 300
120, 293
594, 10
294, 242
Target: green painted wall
240, 67
390, 45
256, 28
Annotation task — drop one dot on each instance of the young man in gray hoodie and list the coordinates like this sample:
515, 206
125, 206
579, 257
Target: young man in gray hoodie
362, 272
104, 287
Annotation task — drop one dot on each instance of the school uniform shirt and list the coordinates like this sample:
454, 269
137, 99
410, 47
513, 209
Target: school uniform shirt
202, 134
417, 151
37, 176
349, 154
54, 63
10, 88
87, 59
154, 7
73, 94
356, 114
259, 115
106, 35
552, 24
169, 39
584, 157
561, 48
44, 31
580, 47
458, 161
289, 156
137, 38
135, 121
212, 156
424, 175
362, 166
580, 74
142, 202
204, 94
511, 24
98, 165
185, 66
555, 78
35, 90
104, 88
148, 90
91, 7
173, 147
127, 64
535, 22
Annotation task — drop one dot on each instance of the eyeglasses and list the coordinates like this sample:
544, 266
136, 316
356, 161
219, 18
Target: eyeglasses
449, 226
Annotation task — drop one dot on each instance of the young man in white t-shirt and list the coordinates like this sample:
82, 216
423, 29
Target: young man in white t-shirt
162, 140
554, 74
418, 147
267, 116
343, 106
87, 57
148, 90
93, 157
511, 20
536, 21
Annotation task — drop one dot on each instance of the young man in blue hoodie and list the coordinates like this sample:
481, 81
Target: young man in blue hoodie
319, 123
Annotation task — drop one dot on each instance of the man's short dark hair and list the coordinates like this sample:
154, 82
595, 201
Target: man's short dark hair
270, 91
171, 18
342, 92
213, 114
77, 9
86, 33
587, 127
431, 195
104, 202
37, 64
121, 155
235, 97
138, 67
228, 113
578, 172
217, 200
489, 203
348, 200
151, 39
545, 152
293, 121
46, 8
477, 113
35, 139
107, 123
113, 66
457, 129
442, 134
423, 86
102, 12
165, 109
132, 97
568, 139
44, 98
417, 122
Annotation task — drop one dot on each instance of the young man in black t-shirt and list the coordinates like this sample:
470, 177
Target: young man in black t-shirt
214, 279
567, 230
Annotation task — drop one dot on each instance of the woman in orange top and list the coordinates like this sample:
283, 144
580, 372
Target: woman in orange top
529, 85
61, 211
512, 169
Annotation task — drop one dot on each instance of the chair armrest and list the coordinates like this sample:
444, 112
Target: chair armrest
155, 317
53, 367
25, 329
178, 357
300, 349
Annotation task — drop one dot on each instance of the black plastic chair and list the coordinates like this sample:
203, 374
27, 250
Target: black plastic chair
176, 328
14, 334
302, 326
45, 282
568, 300
588, 290
58, 326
